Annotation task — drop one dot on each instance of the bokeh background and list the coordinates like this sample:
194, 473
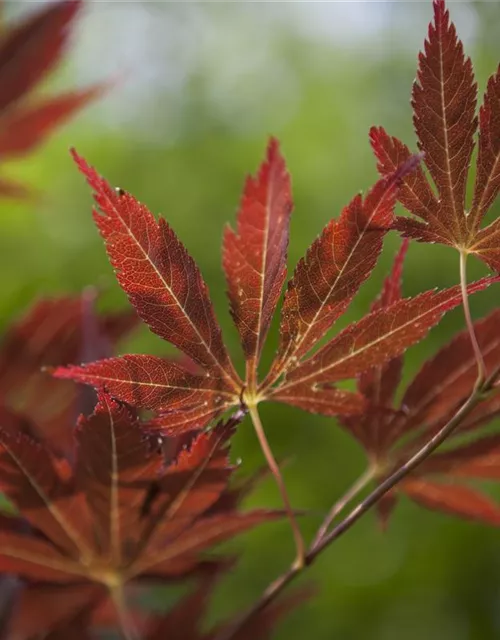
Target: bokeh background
198, 87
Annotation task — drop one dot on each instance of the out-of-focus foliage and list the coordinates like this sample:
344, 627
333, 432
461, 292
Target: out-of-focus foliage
190, 114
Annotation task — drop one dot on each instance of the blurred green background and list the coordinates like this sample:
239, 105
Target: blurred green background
198, 89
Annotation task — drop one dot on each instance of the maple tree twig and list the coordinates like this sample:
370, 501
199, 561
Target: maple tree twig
481, 367
342, 502
278, 585
275, 470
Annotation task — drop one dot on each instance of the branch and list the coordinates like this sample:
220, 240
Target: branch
276, 587
340, 505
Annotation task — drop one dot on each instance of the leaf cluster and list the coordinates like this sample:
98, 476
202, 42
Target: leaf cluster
117, 488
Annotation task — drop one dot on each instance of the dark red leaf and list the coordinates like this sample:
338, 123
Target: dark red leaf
113, 453
415, 192
160, 278
380, 383
54, 332
45, 609
254, 257
327, 401
30, 50
456, 500
123, 512
40, 486
444, 104
25, 128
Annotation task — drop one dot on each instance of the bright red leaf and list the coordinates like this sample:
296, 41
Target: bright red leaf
159, 276
444, 104
167, 290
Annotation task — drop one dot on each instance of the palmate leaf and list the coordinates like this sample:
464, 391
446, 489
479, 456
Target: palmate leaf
97, 521
28, 52
84, 611
161, 279
167, 290
444, 104
391, 432
55, 331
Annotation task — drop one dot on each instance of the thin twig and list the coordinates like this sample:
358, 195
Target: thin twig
481, 367
340, 505
276, 587
275, 470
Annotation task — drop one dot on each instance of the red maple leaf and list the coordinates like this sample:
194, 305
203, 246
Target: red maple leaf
116, 514
28, 52
76, 612
444, 106
391, 432
166, 288
168, 292
54, 331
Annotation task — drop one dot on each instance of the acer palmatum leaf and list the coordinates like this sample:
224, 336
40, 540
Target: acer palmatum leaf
160, 278
28, 52
478, 459
444, 103
254, 257
488, 160
55, 331
26, 127
92, 517
166, 288
379, 384
45, 32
